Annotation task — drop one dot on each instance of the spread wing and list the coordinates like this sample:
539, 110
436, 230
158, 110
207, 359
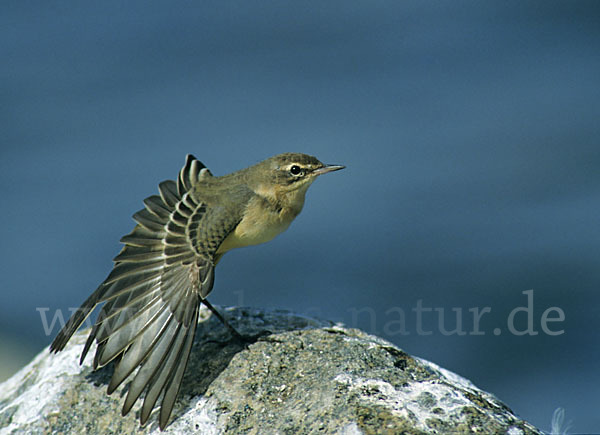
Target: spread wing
151, 297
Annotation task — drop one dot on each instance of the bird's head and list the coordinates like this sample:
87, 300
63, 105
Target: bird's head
289, 175
293, 171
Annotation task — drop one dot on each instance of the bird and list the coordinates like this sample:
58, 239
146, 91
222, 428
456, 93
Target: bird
165, 270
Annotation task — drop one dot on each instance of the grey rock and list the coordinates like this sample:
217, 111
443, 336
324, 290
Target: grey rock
308, 376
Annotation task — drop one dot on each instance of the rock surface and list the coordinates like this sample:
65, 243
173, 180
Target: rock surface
307, 376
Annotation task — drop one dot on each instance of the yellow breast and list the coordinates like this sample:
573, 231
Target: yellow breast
259, 225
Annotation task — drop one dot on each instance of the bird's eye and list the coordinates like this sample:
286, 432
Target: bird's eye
295, 170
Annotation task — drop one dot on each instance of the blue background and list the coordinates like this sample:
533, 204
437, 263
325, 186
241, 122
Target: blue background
469, 130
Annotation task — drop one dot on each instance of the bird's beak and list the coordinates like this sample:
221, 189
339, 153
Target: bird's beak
327, 168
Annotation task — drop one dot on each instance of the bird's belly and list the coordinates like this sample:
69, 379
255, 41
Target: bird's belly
253, 231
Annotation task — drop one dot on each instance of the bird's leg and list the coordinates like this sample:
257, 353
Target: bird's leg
222, 319
242, 338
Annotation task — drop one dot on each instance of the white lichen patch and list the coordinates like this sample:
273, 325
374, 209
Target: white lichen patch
203, 418
417, 402
32, 398
445, 396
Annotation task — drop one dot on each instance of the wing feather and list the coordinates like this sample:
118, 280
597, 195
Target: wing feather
153, 362
173, 386
149, 221
165, 377
155, 205
168, 193
132, 270
127, 324
157, 382
144, 343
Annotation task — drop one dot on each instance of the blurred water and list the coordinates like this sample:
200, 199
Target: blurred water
469, 130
